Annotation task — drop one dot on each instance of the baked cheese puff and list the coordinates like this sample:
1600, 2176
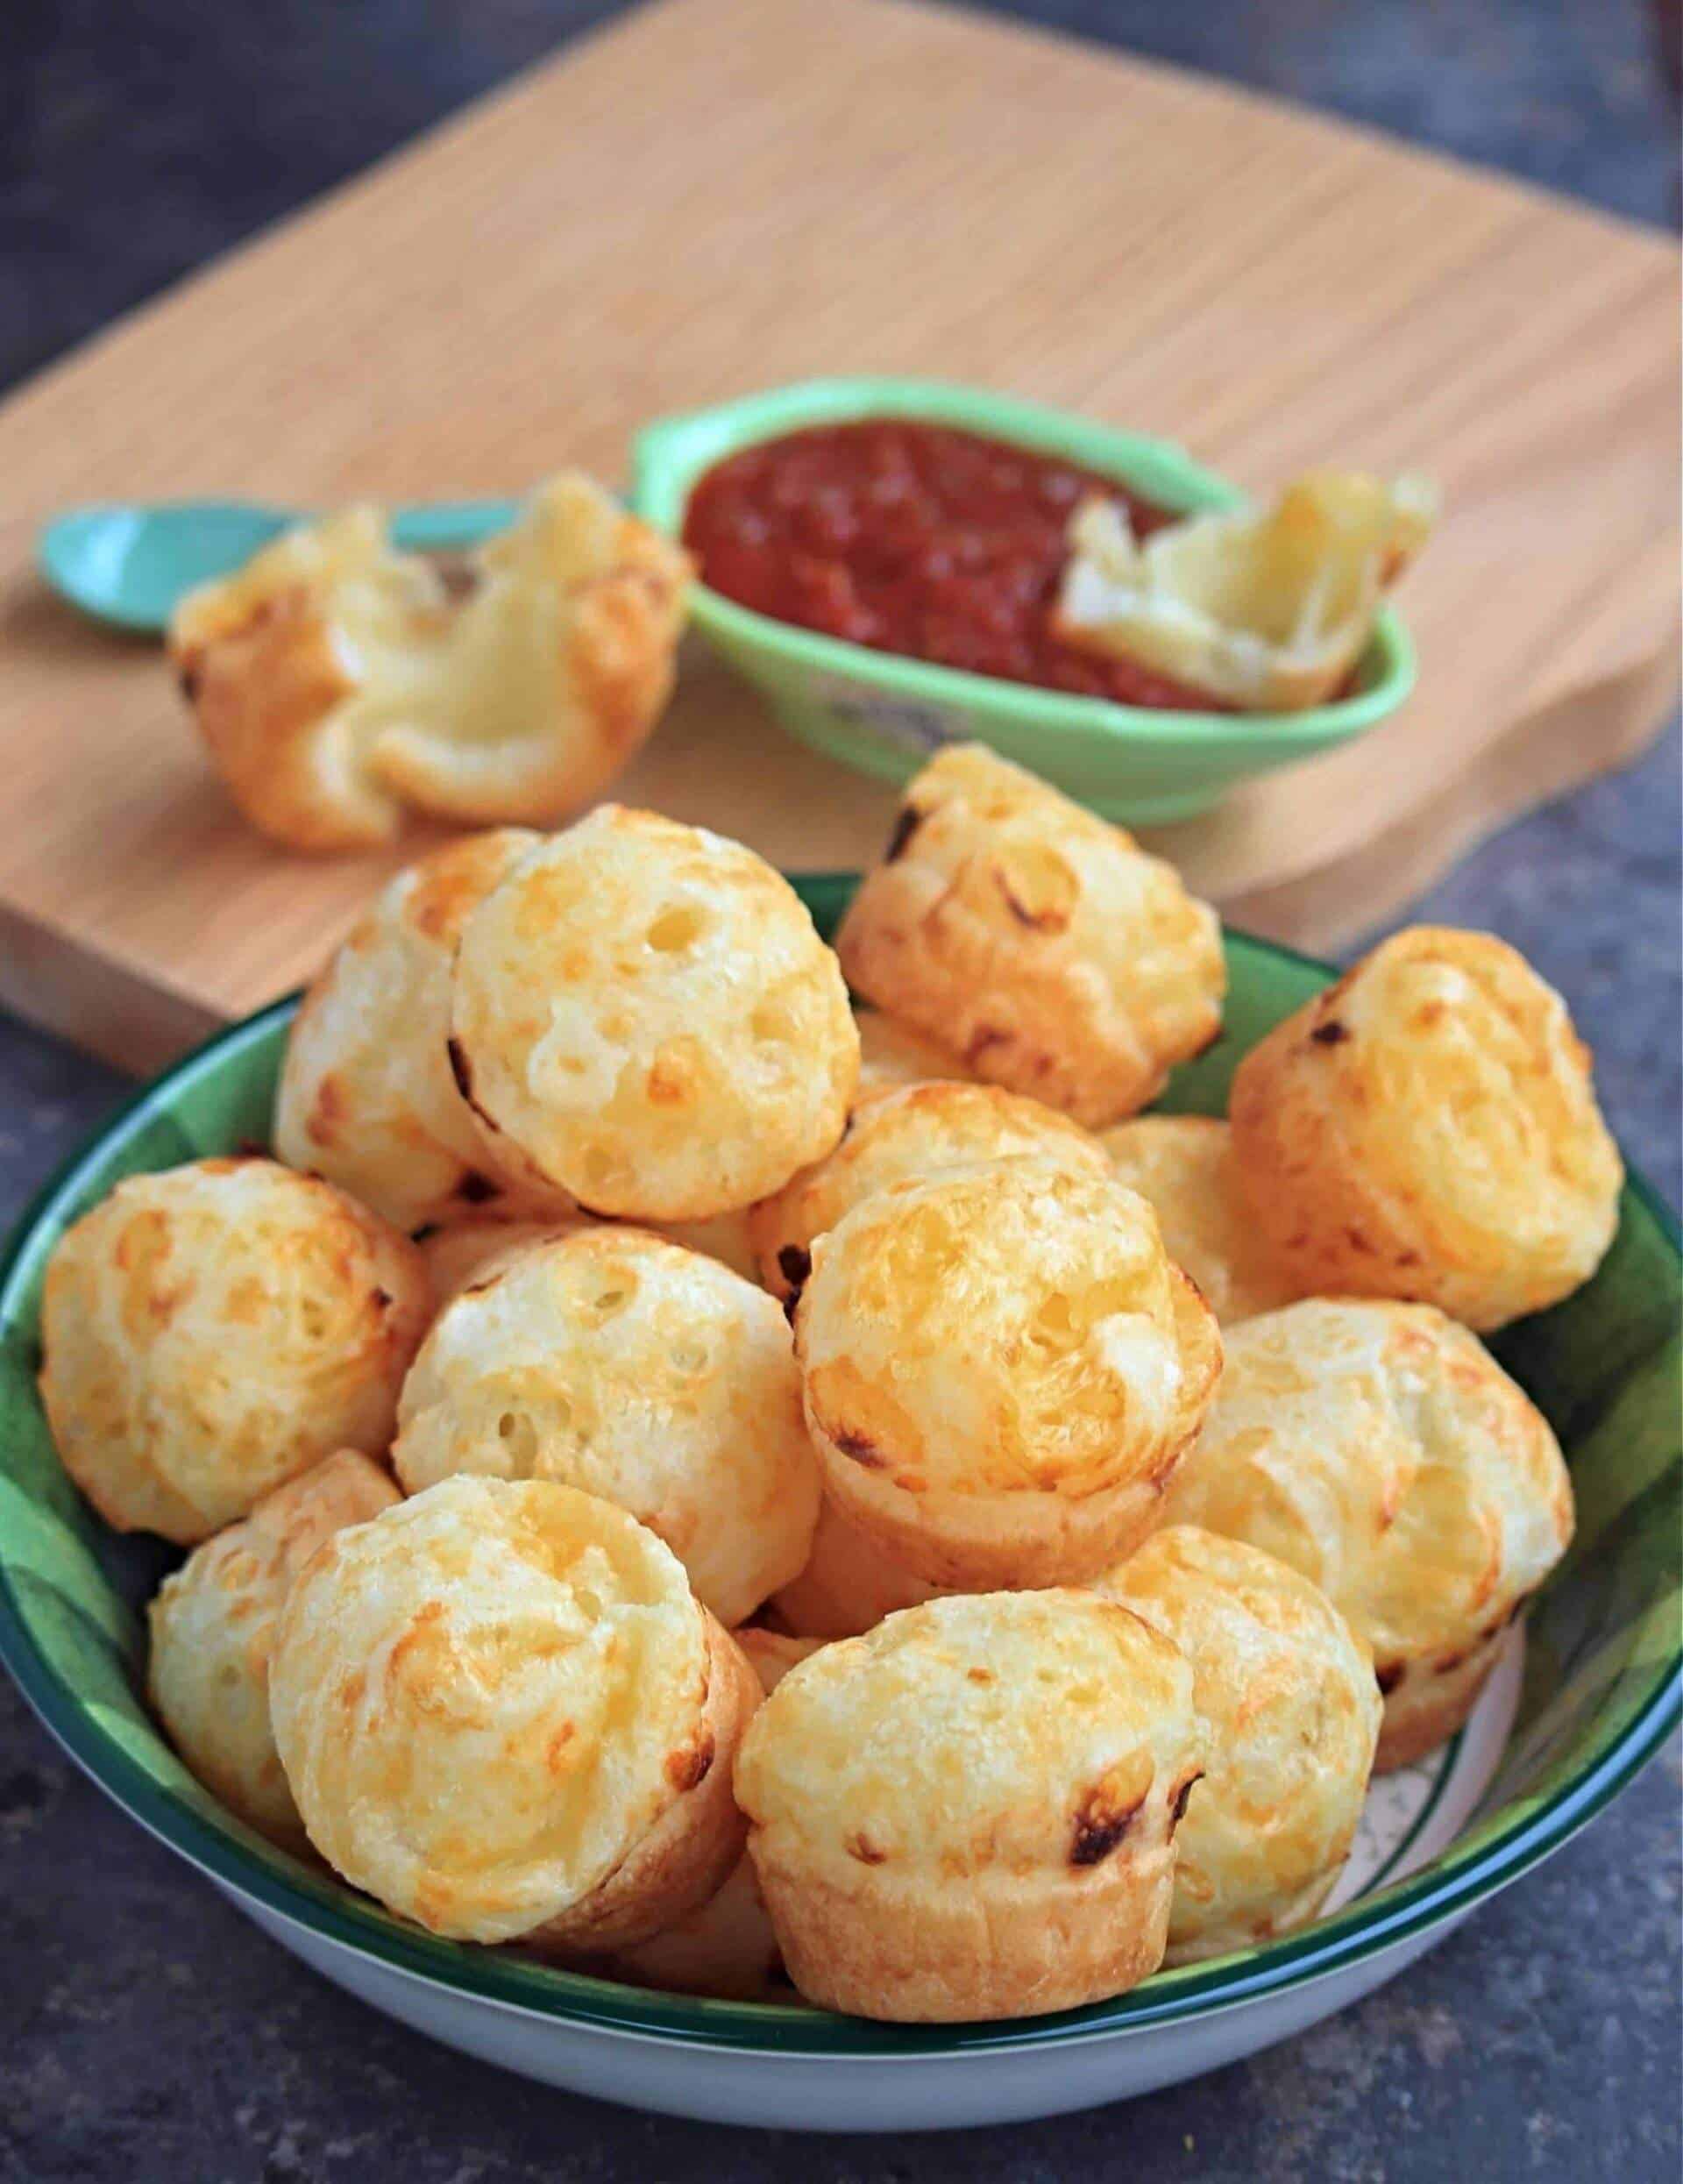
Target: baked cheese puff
645, 1017
1381, 1450
912, 1131
1286, 1690
366, 1097
615, 1362
458, 1251
1184, 1164
969, 1811
850, 1583
726, 1949
1001, 1366
1427, 1130
213, 1330
1040, 943
212, 1630
891, 1053
502, 1712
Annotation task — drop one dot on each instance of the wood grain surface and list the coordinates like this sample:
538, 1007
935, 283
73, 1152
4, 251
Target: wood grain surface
720, 194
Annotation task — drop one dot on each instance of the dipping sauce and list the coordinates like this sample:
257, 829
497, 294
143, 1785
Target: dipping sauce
918, 539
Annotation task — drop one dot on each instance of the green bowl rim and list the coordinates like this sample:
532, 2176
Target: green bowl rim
665, 463
288, 1889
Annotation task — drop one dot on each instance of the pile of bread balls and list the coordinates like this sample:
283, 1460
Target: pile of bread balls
719, 1486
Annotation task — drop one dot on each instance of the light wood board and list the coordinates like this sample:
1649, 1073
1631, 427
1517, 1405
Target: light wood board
719, 195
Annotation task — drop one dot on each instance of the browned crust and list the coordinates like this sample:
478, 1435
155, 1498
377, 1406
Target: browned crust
1430, 1700
692, 1848
998, 1945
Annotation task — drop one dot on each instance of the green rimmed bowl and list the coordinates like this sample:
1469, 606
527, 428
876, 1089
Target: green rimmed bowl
884, 714
1571, 1714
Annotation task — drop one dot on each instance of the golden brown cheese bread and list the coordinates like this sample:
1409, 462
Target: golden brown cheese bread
337, 680
213, 1330
612, 1360
458, 1251
643, 1016
850, 1583
1269, 608
726, 1949
1184, 1164
502, 1712
457, 1254
1381, 1450
892, 1053
1287, 1693
909, 1132
1001, 1366
1427, 1129
366, 1097
212, 1631
1042, 945
969, 1811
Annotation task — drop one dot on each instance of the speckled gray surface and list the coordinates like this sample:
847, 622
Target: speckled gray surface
148, 2035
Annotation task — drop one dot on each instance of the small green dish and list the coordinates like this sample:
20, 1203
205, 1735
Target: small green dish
884, 714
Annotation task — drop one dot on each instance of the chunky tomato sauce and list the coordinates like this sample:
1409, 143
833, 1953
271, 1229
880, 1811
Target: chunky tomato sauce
917, 539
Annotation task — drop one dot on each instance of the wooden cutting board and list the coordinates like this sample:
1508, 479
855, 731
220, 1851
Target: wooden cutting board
719, 195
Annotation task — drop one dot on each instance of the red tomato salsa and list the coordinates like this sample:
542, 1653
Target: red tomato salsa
918, 539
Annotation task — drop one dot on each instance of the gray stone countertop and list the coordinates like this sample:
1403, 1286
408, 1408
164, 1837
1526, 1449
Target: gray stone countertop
148, 2035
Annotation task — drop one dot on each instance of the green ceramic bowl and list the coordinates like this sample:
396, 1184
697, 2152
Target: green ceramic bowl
1600, 1690
885, 715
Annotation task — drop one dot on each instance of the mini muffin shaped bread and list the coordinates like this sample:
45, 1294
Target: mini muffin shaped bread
1287, 1693
1042, 945
970, 1812
726, 1949
1381, 1450
892, 1053
850, 1583
502, 1712
645, 1017
615, 1362
366, 1097
213, 1330
1001, 1366
458, 1251
337, 680
1427, 1130
910, 1133
212, 1631
1184, 1164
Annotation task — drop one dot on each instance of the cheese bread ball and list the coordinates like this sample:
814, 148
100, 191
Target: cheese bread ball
337, 680
1184, 1164
1381, 1450
726, 1949
850, 1583
643, 1016
502, 1712
1040, 943
1287, 1693
1001, 1366
1427, 1130
213, 1330
892, 1053
906, 1133
615, 1362
969, 1811
212, 1630
458, 1251
366, 1097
